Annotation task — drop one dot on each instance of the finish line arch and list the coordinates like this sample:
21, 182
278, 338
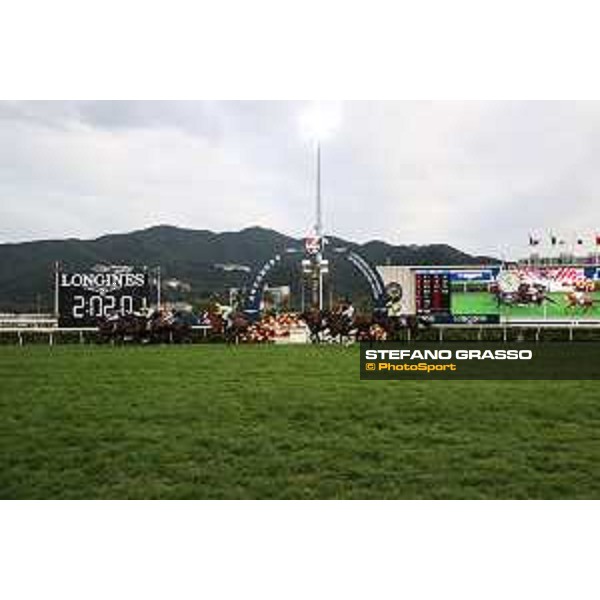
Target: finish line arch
254, 297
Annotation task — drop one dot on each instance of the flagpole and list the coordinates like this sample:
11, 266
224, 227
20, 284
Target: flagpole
571, 248
56, 285
158, 286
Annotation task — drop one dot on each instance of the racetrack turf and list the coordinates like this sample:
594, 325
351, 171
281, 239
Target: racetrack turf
210, 421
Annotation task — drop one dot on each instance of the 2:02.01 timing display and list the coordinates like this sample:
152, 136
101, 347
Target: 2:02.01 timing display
101, 306
86, 298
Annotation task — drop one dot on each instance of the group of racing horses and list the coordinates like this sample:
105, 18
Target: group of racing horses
323, 326
332, 326
335, 326
233, 326
159, 326
536, 294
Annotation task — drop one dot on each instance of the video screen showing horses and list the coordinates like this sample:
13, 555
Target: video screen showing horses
557, 292
521, 293
507, 293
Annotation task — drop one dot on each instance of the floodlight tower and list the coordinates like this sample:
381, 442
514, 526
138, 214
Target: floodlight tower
319, 261
318, 124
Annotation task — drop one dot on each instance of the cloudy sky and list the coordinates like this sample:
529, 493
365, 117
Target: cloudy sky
477, 175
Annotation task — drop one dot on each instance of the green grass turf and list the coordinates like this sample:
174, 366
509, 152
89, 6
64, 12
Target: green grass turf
476, 303
473, 303
281, 422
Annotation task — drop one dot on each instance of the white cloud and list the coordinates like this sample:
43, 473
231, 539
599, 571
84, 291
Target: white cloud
476, 175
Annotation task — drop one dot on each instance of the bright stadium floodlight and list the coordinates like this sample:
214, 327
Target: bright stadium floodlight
320, 120
318, 123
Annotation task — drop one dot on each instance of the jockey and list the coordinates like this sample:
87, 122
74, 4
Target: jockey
112, 316
348, 312
226, 313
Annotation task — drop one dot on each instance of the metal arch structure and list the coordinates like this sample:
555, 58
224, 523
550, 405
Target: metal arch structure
254, 296
378, 292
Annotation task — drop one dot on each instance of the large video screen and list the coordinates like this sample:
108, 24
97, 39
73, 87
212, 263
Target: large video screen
494, 294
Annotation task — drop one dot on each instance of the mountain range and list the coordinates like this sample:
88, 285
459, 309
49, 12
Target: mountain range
195, 264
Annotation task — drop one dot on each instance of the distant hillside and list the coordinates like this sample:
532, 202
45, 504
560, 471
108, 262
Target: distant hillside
206, 262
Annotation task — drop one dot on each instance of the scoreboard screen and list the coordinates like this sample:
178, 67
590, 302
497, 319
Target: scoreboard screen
447, 294
432, 292
85, 297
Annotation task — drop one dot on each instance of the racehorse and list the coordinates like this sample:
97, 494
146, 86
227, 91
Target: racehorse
237, 328
339, 327
394, 326
106, 330
231, 330
316, 322
161, 327
326, 325
166, 327
524, 295
181, 326
122, 328
367, 329
577, 300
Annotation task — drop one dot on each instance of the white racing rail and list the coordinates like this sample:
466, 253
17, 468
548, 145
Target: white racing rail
536, 326
53, 332
506, 329
26, 321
